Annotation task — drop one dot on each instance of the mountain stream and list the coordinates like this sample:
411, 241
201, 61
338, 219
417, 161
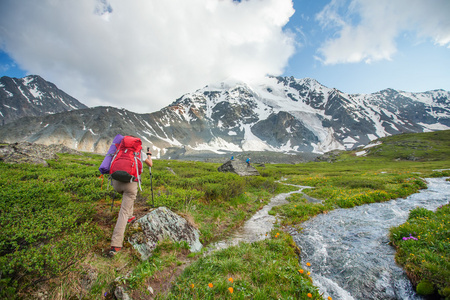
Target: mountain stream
348, 248
261, 223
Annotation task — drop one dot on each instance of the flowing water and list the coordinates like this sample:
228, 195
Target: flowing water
349, 252
256, 228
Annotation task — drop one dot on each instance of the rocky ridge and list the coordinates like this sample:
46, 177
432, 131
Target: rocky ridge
276, 115
32, 96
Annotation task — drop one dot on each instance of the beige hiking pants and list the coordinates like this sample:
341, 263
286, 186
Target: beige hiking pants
129, 192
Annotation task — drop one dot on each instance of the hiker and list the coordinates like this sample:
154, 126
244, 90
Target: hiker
129, 191
248, 162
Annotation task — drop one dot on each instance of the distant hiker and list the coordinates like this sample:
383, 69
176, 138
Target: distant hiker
232, 158
126, 169
248, 162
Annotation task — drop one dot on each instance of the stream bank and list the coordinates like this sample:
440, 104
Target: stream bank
259, 225
349, 250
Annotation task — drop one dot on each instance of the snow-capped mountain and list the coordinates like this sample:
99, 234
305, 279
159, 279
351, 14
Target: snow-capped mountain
32, 96
279, 114
287, 114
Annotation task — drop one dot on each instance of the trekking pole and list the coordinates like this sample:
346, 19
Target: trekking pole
151, 180
112, 202
151, 185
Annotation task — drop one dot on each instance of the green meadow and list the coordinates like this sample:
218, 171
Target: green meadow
57, 221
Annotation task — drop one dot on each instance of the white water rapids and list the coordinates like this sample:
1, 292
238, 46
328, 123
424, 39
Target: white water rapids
349, 252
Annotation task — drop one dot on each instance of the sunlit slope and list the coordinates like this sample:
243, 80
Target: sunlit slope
411, 146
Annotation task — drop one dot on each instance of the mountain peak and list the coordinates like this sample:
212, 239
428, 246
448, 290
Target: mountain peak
277, 114
32, 96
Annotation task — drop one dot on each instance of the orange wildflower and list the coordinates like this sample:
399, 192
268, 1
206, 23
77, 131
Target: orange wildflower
210, 285
309, 295
230, 289
230, 280
301, 271
308, 264
192, 286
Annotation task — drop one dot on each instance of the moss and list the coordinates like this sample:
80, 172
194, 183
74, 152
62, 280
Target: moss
425, 287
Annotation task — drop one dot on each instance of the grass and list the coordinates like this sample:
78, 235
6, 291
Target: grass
423, 247
267, 269
353, 181
57, 222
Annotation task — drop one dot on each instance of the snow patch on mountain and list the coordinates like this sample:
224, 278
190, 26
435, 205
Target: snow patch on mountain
434, 127
251, 142
330, 143
217, 145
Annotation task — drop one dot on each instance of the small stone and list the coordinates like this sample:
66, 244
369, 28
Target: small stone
150, 289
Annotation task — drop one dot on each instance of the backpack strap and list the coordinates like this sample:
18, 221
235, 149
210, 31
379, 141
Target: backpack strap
114, 157
137, 170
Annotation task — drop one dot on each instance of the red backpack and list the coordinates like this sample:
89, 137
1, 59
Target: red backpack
126, 165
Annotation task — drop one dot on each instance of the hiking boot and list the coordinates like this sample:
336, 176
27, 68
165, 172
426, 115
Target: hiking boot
113, 251
132, 219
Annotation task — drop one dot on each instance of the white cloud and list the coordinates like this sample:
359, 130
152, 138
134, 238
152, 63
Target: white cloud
368, 30
143, 54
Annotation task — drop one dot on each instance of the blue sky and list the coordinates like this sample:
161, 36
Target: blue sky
144, 54
419, 63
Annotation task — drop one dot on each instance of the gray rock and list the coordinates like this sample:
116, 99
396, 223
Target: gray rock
88, 278
330, 156
238, 167
171, 170
159, 224
25, 152
121, 294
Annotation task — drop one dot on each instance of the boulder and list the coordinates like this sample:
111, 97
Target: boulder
330, 156
159, 224
25, 152
238, 167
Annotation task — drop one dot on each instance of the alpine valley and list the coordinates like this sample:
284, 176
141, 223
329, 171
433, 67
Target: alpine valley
275, 115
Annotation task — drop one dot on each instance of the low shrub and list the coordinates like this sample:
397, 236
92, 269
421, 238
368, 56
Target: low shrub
420, 212
45, 219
